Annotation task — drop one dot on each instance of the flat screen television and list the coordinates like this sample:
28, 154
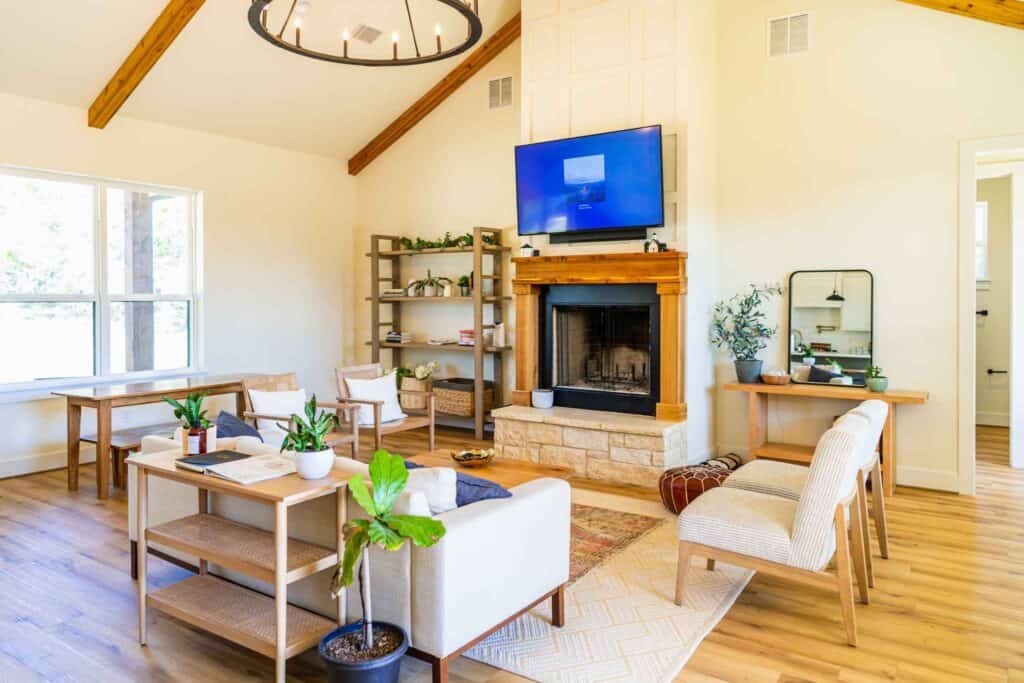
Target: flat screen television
595, 184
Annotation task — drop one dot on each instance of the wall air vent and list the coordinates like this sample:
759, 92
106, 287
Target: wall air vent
366, 34
789, 35
499, 93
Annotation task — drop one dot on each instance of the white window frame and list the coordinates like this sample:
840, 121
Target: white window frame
981, 275
102, 298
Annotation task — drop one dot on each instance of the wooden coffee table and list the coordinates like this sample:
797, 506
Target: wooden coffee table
502, 471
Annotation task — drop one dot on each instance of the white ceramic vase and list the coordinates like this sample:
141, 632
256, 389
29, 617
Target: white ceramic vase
314, 465
429, 290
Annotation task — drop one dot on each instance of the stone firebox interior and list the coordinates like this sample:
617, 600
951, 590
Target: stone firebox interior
606, 333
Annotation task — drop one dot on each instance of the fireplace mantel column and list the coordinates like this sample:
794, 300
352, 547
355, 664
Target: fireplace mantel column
672, 405
527, 343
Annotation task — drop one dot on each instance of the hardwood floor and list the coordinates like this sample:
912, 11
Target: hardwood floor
946, 607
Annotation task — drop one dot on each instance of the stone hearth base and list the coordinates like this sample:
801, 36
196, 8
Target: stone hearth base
611, 447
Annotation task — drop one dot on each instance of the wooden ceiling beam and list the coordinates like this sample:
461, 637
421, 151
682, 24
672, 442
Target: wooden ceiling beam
1005, 12
479, 58
144, 57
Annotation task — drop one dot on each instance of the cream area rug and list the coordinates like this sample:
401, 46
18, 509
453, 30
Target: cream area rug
621, 621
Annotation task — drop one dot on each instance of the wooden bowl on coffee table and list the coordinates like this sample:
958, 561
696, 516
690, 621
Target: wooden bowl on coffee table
473, 457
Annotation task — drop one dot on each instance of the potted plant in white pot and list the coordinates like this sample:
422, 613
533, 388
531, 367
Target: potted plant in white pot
198, 435
738, 325
367, 651
465, 287
876, 380
306, 437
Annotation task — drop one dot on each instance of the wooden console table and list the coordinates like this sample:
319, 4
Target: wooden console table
760, 447
105, 397
268, 625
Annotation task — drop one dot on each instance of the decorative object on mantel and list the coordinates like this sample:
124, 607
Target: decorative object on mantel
526, 250
260, 19
198, 435
418, 379
738, 325
876, 381
654, 246
348, 652
543, 398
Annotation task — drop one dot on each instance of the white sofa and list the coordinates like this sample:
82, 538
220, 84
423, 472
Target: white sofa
498, 557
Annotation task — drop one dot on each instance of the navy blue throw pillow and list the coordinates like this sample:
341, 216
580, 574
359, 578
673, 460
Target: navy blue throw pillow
819, 375
470, 489
230, 426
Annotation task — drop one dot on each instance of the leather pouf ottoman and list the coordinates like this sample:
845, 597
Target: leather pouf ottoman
680, 486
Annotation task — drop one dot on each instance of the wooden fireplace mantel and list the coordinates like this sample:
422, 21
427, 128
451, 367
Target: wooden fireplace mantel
666, 269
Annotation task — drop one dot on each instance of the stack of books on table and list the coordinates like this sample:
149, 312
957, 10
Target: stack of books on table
398, 337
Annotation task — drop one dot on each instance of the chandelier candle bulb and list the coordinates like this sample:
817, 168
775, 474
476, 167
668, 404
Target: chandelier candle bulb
437, 33
298, 32
344, 43
394, 45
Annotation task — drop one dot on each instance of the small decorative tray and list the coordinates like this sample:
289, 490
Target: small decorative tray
475, 457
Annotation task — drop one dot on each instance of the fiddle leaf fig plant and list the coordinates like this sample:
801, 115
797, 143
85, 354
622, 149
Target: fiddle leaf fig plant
738, 324
191, 411
382, 528
309, 434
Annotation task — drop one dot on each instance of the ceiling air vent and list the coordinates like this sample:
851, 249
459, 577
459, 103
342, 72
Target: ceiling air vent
365, 33
789, 35
499, 93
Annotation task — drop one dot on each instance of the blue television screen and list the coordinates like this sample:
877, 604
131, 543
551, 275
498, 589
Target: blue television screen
596, 182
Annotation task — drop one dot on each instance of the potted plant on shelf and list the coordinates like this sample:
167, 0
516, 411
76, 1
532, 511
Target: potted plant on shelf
366, 651
198, 435
738, 325
419, 379
876, 381
809, 358
465, 287
431, 285
306, 437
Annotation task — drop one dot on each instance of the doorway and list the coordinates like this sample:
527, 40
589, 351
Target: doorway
991, 395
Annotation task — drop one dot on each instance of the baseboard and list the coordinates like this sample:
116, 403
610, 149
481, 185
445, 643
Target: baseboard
921, 478
992, 419
19, 466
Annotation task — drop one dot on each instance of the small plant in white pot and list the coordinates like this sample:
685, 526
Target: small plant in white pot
307, 438
738, 325
876, 381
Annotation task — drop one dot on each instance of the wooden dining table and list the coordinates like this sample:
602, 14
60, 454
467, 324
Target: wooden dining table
103, 398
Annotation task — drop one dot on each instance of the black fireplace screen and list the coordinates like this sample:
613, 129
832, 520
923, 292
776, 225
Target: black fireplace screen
602, 349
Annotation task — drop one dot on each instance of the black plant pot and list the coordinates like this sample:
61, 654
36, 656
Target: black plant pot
748, 371
382, 670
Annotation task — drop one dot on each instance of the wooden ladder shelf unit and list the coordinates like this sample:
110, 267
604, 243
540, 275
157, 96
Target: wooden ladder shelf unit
388, 248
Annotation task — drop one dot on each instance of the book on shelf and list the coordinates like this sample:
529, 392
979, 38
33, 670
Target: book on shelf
440, 341
249, 470
397, 337
199, 463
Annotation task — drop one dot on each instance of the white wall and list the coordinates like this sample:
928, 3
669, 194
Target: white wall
278, 263
993, 336
848, 157
597, 66
453, 171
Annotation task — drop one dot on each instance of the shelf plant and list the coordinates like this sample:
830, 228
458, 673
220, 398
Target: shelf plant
876, 379
430, 285
447, 242
196, 430
738, 325
306, 436
368, 650
465, 285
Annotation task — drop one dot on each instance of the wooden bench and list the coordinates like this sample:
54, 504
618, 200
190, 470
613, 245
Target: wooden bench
126, 441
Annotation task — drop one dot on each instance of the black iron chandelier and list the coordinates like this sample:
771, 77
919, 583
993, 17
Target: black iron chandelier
289, 35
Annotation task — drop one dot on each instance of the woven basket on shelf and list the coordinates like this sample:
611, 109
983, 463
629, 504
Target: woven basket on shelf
413, 384
455, 396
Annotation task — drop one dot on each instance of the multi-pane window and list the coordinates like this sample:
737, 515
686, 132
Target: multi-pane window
97, 280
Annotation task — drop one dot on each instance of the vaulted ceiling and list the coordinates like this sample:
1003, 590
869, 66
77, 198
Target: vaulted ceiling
218, 76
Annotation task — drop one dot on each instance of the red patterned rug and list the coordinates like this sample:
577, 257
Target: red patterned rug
599, 533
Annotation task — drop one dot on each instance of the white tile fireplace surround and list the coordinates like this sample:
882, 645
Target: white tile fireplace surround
612, 447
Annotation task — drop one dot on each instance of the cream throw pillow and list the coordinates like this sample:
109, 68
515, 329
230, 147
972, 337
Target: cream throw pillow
381, 389
438, 484
283, 403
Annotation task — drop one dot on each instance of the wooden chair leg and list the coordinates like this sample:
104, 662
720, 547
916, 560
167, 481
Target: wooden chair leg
858, 550
878, 503
862, 503
844, 578
711, 564
682, 568
558, 607
115, 466
124, 469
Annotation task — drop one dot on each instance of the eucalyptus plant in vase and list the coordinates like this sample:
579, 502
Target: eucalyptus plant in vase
198, 435
367, 650
738, 325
